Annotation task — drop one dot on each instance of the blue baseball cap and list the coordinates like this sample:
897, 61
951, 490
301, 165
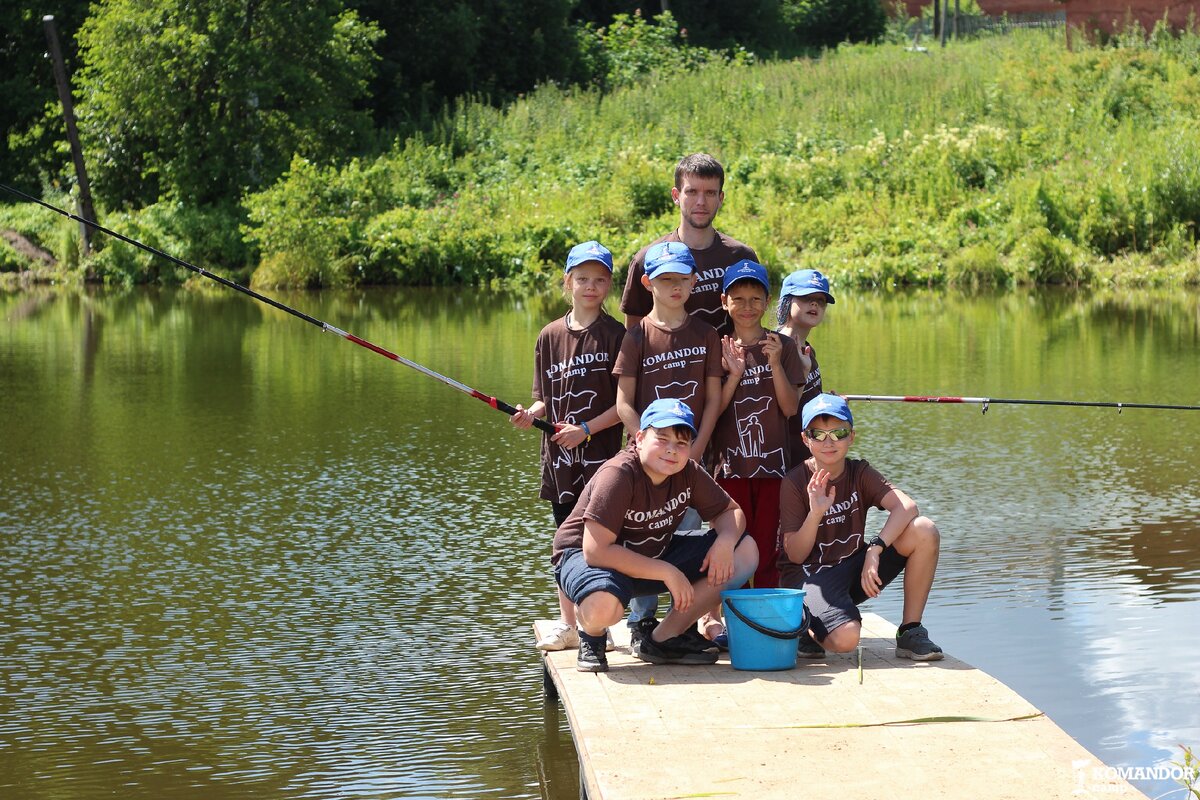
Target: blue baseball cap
667, 257
746, 269
589, 251
826, 405
804, 282
667, 412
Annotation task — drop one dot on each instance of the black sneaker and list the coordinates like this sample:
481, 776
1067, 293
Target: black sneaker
914, 643
699, 641
642, 628
676, 650
591, 654
808, 647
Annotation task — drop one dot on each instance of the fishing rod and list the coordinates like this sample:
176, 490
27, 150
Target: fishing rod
495, 403
987, 401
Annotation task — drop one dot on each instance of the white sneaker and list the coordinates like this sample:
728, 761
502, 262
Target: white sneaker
609, 644
561, 637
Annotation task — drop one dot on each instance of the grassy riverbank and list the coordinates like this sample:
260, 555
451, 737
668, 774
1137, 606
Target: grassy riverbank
999, 161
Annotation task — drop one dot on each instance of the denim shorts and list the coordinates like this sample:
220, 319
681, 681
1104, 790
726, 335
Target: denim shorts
832, 596
686, 552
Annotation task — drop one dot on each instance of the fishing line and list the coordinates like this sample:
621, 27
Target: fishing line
495, 403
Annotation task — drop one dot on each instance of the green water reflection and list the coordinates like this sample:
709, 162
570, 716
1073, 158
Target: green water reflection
240, 557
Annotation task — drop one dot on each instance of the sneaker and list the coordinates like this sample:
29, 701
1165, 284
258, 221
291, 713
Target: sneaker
914, 643
591, 655
561, 636
642, 628
676, 650
721, 640
808, 647
699, 641
609, 644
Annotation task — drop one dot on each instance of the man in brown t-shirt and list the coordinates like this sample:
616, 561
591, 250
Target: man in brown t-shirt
823, 506
620, 541
699, 192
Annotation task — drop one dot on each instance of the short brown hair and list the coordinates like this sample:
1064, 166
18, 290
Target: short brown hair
702, 165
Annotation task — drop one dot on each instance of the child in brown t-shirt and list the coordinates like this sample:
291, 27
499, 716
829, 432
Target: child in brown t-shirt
758, 397
620, 541
669, 354
802, 301
822, 522
573, 386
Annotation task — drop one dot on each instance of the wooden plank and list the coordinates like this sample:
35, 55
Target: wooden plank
645, 732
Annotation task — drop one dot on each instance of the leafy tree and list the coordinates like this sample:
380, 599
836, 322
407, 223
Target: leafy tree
201, 100
436, 52
828, 23
32, 138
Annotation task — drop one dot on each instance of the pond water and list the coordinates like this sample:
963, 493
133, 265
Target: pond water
242, 558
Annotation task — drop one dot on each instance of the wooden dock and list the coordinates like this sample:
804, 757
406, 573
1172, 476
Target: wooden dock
937, 730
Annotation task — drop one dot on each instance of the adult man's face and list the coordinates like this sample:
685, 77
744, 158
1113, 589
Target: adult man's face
698, 199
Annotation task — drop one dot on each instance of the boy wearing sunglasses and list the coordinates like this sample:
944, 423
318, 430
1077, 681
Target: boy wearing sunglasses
822, 522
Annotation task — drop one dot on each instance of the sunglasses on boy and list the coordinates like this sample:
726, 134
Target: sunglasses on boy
837, 434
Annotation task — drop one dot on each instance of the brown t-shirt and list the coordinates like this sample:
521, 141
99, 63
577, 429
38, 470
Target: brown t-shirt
622, 498
572, 375
841, 533
810, 389
705, 300
751, 437
670, 363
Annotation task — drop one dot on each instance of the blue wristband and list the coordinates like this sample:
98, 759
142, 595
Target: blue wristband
586, 430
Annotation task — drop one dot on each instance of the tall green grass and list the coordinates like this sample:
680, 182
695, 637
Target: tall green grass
1003, 160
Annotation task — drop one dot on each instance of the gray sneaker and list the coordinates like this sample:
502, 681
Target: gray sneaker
914, 643
591, 655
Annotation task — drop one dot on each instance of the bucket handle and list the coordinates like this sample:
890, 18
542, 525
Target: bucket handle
768, 631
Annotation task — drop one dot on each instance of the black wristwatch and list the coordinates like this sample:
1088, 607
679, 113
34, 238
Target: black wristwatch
878, 540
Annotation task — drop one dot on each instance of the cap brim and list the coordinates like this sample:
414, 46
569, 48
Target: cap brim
588, 261
675, 267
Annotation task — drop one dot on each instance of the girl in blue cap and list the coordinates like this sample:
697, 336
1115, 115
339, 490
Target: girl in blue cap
802, 301
574, 388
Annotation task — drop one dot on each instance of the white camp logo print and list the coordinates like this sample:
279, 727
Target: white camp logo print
680, 390
572, 407
748, 414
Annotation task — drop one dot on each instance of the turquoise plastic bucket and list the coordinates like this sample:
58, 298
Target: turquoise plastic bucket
763, 626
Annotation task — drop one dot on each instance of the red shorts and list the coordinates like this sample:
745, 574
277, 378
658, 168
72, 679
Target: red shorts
759, 500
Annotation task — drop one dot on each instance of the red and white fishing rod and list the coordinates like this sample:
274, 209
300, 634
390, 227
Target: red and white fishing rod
987, 401
495, 403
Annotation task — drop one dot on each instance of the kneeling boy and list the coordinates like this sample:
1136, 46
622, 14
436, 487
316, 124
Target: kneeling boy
822, 522
620, 542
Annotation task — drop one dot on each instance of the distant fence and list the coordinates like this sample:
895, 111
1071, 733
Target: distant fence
971, 24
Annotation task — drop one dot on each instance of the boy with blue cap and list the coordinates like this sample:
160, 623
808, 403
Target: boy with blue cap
802, 301
750, 445
574, 388
621, 540
669, 353
822, 522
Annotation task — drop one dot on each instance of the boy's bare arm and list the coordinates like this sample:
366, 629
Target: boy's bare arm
718, 562
600, 549
786, 393
609, 418
799, 543
901, 511
708, 418
735, 364
626, 392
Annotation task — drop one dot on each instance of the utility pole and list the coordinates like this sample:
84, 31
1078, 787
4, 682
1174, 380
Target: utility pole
86, 210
